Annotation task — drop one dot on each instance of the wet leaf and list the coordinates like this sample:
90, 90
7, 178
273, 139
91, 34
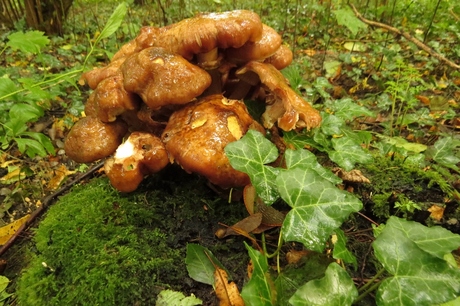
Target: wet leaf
199, 265
335, 288
414, 255
227, 293
250, 155
318, 207
340, 249
175, 298
347, 153
15, 173
306, 160
8, 230
260, 290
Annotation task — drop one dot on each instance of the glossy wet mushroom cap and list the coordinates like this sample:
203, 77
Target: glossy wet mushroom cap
91, 139
197, 134
141, 154
161, 78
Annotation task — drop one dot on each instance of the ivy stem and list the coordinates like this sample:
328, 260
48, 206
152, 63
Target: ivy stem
372, 280
369, 290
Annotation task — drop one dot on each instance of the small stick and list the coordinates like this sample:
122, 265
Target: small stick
46, 202
407, 36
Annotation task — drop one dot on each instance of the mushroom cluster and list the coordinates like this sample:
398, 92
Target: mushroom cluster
174, 94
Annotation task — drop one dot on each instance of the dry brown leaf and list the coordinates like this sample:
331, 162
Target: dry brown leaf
245, 226
8, 230
227, 293
294, 256
58, 176
353, 176
437, 212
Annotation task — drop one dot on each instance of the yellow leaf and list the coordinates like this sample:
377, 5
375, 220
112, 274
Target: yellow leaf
59, 175
227, 293
13, 176
437, 212
8, 230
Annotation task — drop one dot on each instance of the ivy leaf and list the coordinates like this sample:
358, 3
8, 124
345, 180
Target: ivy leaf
114, 21
28, 42
443, 152
347, 153
331, 124
347, 109
249, 155
260, 290
335, 288
346, 17
199, 265
340, 249
318, 207
175, 298
410, 253
306, 160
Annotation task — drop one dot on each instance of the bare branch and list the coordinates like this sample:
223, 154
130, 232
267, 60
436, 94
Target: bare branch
407, 36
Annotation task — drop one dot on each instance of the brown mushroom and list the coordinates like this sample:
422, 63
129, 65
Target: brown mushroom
141, 154
95, 76
287, 108
91, 139
281, 58
257, 50
197, 134
163, 78
110, 99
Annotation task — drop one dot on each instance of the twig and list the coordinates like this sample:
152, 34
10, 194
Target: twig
407, 36
46, 202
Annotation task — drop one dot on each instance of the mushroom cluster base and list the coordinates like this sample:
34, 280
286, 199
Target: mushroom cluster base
175, 95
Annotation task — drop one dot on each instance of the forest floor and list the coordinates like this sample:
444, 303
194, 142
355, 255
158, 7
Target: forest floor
420, 107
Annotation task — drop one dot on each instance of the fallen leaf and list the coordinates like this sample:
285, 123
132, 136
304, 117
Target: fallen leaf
13, 176
437, 212
8, 230
58, 176
247, 225
294, 256
353, 176
227, 293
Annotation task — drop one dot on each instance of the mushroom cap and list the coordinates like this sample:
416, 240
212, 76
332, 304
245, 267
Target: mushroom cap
281, 58
110, 99
163, 78
256, 50
288, 109
141, 154
196, 135
91, 139
206, 32
95, 76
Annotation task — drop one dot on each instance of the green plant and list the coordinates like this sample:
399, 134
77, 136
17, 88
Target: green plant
403, 89
414, 258
26, 100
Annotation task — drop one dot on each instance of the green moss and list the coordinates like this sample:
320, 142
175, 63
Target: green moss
394, 179
99, 247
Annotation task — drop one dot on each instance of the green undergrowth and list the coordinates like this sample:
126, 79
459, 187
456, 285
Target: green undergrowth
99, 247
